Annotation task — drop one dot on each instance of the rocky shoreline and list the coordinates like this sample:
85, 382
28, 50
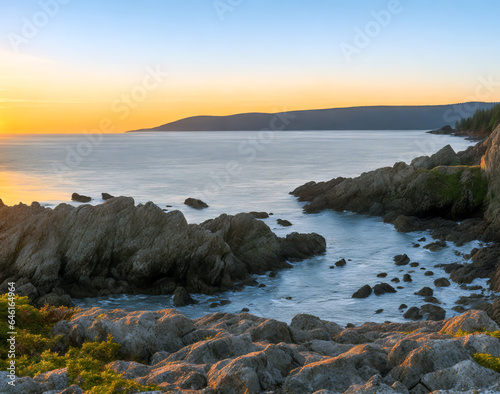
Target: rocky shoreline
455, 196
232, 354
118, 247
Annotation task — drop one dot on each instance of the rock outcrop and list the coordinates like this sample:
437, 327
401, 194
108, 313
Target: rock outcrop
430, 186
117, 247
228, 353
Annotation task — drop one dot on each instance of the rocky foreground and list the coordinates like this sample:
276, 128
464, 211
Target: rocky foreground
117, 247
227, 353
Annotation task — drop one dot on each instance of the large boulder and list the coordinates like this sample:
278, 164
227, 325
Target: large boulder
481, 343
461, 377
432, 356
470, 322
490, 164
256, 372
253, 242
80, 198
140, 333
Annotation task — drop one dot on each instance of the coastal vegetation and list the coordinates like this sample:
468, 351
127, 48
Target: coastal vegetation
484, 121
40, 351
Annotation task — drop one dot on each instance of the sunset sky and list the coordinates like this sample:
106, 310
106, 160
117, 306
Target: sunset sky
70, 66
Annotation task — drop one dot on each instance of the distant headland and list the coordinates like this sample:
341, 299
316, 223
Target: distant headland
353, 118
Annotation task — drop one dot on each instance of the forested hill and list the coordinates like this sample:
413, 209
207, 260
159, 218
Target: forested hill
484, 121
353, 118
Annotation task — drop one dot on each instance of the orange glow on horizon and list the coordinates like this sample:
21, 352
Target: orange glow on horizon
57, 98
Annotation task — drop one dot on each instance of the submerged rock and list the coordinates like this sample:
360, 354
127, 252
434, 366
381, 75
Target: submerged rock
441, 282
106, 196
383, 288
284, 222
195, 203
182, 297
425, 292
341, 263
363, 292
79, 198
401, 259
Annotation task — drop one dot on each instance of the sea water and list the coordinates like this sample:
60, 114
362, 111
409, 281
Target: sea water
240, 172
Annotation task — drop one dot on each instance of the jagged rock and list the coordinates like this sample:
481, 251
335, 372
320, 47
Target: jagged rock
489, 163
382, 275
415, 264
158, 357
53, 380
425, 292
339, 373
481, 343
314, 326
363, 292
463, 376
351, 337
432, 356
214, 350
383, 288
79, 198
407, 278
341, 263
179, 377
429, 273
434, 187
470, 321
374, 386
401, 350
129, 369
328, 348
195, 203
441, 282
106, 196
182, 298
117, 247
265, 370
163, 329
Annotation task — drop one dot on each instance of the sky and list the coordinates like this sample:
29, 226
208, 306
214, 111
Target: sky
70, 66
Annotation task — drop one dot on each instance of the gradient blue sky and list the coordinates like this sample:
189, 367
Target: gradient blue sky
262, 55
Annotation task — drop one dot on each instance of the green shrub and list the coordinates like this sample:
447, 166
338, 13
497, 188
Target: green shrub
487, 361
35, 353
